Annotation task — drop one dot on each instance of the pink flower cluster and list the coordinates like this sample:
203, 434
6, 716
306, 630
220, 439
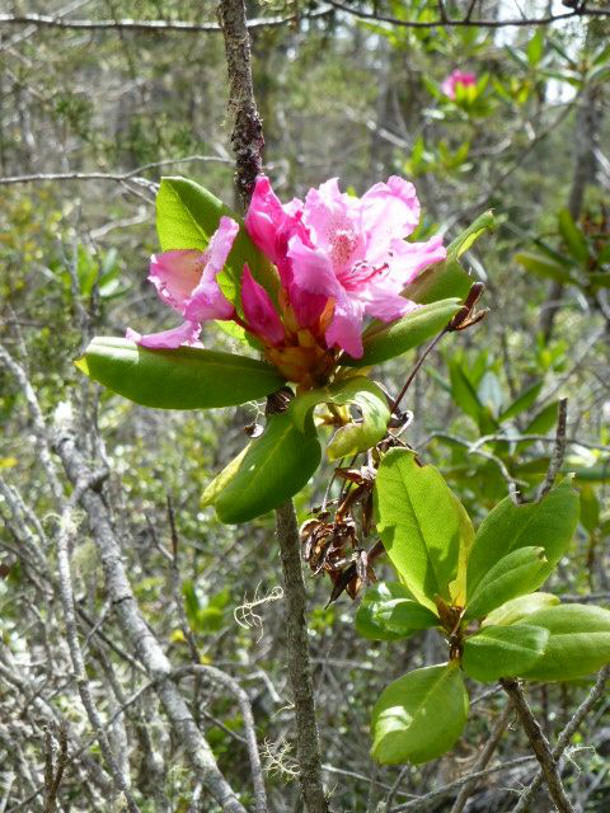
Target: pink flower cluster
455, 78
339, 258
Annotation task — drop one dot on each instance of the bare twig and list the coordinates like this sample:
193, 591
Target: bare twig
540, 745
559, 450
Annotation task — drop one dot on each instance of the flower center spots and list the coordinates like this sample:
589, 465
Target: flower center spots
361, 273
343, 244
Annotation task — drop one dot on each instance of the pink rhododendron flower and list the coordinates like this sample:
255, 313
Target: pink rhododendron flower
457, 77
345, 250
186, 281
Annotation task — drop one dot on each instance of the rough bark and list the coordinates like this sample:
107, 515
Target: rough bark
299, 667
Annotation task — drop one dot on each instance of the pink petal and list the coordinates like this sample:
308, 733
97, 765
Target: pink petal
271, 224
259, 311
346, 327
186, 333
409, 259
335, 223
387, 306
390, 210
207, 300
175, 274
312, 269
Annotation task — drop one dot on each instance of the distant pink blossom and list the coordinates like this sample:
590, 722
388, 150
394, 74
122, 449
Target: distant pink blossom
186, 281
455, 78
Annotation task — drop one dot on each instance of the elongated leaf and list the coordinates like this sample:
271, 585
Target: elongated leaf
520, 608
579, 641
517, 573
549, 524
187, 217
463, 392
544, 266
422, 525
273, 468
526, 400
420, 716
497, 652
382, 342
186, 378
404, 616
574, 237
375, 597
356, 436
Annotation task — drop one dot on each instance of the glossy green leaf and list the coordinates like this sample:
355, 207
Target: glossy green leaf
272, 469
525, 401
422, 525
420, 716
497, 652
579, 641
187, 217
382, 342
186, 378
404, 616
358, 435
519, 572
375, 597
549, 524
520, 608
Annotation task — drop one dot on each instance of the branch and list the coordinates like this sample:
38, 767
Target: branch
446, 22
247, 136
150, 26
564, 738
540, 745
559, 450
299, 667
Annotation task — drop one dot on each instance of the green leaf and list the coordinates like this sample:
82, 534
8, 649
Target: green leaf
355, 436
272, 469
519, 572
525, 401
404, 616
187, 217
574, 237
520, 608
579, 641
549, 524
497, 652
375, 596
543, 266
383, 342
535, 48
186, 378
422, 525
463, 392
589, 508
420, 716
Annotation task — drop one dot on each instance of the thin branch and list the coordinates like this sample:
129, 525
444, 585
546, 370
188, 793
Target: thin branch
559, 450
446, 22
150, 26
540, 745
299, 667
564, 738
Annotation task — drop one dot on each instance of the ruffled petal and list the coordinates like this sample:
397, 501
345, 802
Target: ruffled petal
260, 314
409, 259
390, 210
175, 275
186, 333
387, 306
345, 328
312, 269
207, 301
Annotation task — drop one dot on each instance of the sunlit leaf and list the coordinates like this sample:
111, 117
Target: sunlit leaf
497, 652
